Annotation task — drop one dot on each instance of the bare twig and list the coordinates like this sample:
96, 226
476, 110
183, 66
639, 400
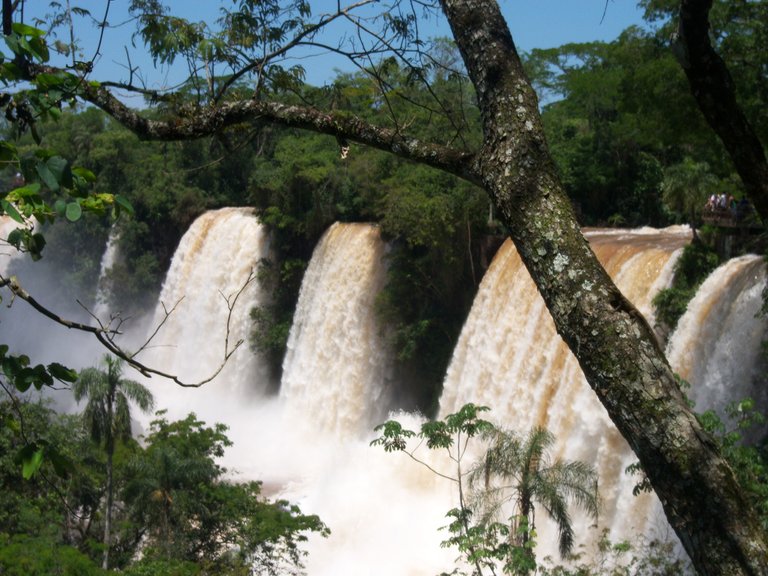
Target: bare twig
106, 334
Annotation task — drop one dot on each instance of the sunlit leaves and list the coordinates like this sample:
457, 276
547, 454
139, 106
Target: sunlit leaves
30, 457
465, 424
28, 41
10, 210
61, 372
393, 436
168, 36
73, 211
47, 174
749, 460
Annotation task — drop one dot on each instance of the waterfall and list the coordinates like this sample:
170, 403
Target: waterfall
337, 368
510, 358
717, 344
310, 444
108, 259
207, 284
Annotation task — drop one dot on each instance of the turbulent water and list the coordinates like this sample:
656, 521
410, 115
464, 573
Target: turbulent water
101, 308
310, 442
717, 346
510, 358
337, 368
206, 299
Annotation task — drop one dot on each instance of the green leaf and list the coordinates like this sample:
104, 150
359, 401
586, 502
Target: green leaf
31, 463
61, 464
13, 425
27, 191
54, 172
39, 49
74, 211
27, 30
8, 152
124, 204
16, 237
61, 372
84, 173
60, 207
11, 211
35, 244
48, 81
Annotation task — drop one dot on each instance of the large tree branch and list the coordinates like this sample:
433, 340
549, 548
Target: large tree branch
206, 121
715, 93
613, 343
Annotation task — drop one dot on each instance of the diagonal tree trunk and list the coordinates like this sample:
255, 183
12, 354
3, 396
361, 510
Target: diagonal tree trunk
713, 88
613, 343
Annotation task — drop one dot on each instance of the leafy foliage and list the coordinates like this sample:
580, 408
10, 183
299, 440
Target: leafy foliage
625, 131
638, 558
694, 265
741, 434
173, 502
22, 555
191, 513
511, 470
525, 464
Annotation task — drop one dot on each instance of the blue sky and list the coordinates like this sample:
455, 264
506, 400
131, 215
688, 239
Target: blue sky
534, 24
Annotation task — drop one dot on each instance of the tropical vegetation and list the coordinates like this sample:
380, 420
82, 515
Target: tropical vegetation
174, 511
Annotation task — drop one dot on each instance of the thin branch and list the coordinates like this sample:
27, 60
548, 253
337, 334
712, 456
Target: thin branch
102, 25
106, 335
231, 302
13, 285
166, 315
282, 50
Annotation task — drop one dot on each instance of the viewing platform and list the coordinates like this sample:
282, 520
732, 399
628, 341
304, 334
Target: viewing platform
741, 218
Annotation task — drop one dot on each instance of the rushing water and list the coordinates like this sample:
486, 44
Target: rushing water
310, 442
717, 346
101, 307
206, 299
510, 358
337, 368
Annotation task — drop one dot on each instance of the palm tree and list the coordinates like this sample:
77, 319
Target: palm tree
108, 416
519, 470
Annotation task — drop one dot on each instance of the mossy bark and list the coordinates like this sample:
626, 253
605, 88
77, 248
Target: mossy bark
613, 343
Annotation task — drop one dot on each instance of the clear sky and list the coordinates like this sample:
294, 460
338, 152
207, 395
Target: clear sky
534, 24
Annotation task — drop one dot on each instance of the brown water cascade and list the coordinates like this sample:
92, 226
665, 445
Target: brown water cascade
310, 443
510, 358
